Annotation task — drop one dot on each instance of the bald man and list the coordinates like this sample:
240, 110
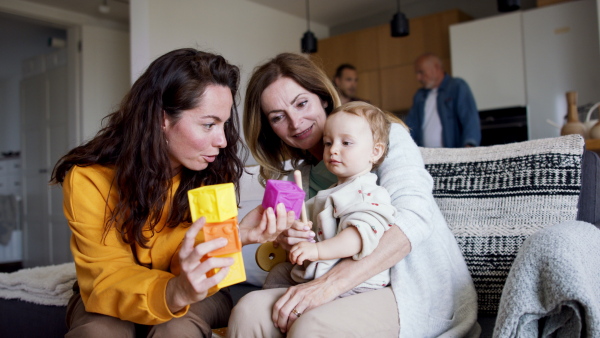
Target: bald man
444, 113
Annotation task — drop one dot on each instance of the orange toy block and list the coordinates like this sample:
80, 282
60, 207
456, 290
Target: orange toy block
237, 272
227, 229
215, 202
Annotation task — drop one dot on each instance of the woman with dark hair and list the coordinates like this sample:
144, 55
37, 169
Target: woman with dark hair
125, 198
431, 292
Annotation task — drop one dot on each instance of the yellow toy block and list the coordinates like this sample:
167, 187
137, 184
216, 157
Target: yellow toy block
215, 202
237, 272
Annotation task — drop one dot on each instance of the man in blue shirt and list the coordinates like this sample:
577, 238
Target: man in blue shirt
444, 113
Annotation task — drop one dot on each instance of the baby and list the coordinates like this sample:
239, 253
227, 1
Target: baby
350, 217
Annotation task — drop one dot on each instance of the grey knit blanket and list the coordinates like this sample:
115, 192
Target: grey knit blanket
553, 288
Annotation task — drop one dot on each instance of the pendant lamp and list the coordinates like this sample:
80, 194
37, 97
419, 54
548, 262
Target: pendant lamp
399, 25
508, 5
308, 44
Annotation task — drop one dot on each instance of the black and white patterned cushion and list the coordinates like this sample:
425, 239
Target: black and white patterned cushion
494, 197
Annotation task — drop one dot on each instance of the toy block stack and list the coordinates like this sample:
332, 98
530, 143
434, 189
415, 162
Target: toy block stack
218, 205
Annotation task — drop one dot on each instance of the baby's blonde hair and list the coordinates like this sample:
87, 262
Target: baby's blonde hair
380, 122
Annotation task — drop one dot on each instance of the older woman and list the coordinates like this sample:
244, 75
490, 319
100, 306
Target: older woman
431, 293
125, 199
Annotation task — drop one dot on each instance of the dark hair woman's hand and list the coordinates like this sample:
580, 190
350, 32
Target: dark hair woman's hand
260, 226
192, 284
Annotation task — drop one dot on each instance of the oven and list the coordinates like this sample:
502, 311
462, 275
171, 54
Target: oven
505, 125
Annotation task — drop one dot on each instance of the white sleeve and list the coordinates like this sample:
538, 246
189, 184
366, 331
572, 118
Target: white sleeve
410, 186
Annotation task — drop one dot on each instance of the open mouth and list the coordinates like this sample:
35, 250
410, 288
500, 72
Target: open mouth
210, 158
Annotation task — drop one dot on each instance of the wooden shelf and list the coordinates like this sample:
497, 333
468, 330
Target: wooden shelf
593, 145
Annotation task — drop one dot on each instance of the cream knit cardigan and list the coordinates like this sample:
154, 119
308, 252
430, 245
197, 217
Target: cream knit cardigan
432, 285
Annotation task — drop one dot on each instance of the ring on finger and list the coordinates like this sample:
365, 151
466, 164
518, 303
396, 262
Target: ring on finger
296, 313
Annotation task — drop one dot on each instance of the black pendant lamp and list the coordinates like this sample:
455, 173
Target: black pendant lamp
308, 44
399, 24
508, 5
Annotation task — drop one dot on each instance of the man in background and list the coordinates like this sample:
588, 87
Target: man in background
444, 113
346, 82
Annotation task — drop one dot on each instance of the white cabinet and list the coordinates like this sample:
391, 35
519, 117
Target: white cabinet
488, 54
531, 58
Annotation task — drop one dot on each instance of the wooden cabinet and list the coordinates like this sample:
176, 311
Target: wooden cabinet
593, 145
384, 63
358, 48
541, 3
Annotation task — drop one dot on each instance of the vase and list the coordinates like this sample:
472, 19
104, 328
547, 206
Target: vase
593, 126
594, 132
573, 125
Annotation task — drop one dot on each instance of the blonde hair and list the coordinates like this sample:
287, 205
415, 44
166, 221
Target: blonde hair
266, 147
380, 122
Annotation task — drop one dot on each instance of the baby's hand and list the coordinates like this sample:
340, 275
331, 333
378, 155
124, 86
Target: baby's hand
304, 251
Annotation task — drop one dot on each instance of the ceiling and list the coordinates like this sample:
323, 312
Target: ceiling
119, 9
326, 12
334, 12
331, 13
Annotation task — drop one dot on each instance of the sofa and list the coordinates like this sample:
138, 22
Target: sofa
494, 198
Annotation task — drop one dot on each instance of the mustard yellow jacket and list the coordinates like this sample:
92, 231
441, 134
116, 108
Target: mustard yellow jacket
111, 282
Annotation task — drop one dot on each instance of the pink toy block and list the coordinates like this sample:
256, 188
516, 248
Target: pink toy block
286, 192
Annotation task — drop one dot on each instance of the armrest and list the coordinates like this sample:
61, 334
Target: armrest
589, 198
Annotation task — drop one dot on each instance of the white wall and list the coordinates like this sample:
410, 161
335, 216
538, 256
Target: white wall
105, 74
98, 75
18, 41
598, 16
245, 33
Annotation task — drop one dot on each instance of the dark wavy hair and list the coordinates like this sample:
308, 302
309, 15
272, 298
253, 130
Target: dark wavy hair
133, 142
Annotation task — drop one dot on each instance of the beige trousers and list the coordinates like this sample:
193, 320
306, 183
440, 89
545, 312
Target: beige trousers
369, 314
197, 322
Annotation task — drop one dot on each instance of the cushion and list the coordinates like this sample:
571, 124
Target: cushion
494, 197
